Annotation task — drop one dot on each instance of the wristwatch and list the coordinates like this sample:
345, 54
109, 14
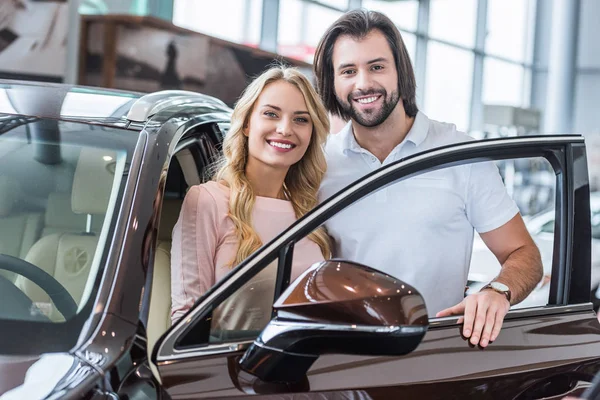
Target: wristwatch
498, 287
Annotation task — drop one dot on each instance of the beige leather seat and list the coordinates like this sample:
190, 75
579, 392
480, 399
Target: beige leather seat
68, 256
18, 230
159, 316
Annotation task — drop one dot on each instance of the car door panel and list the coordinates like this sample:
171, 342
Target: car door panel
527, 350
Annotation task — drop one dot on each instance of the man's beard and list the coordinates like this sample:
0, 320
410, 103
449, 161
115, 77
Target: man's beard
374, 117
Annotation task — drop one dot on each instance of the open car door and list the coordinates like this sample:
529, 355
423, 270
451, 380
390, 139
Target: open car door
378, 342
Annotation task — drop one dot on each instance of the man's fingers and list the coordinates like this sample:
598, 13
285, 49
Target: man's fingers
469, 315
497, 325
457, 309
490, 321
480, 319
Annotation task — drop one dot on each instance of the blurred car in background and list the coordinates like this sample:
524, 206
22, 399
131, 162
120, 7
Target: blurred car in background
485, 266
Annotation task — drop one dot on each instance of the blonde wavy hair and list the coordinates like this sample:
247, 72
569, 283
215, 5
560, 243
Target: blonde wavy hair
303, 178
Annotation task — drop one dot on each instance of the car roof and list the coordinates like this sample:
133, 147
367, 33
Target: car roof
117, 108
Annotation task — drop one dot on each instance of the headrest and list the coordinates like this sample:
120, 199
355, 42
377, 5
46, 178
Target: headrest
93, 181
59, 213
9, 195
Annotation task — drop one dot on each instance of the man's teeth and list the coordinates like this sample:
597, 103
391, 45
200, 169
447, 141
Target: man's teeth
367, 100
281, 145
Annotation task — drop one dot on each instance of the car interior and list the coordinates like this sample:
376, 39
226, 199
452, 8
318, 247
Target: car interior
54, 221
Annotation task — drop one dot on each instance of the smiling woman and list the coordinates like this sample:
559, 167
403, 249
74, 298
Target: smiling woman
269, 175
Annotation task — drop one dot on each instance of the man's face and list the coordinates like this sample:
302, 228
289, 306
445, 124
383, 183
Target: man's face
365, 78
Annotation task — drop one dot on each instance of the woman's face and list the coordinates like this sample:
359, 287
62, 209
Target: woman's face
280, 127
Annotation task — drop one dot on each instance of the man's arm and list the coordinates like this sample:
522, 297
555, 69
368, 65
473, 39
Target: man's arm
521, 271
519, 256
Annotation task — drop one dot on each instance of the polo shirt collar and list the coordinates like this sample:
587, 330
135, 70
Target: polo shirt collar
416, 135
418, 132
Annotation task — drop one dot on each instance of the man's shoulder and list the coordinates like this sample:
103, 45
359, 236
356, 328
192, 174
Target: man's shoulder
444, 133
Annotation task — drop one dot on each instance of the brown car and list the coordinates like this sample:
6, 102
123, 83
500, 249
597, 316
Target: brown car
91, 183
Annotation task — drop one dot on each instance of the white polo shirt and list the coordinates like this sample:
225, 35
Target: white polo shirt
419, 230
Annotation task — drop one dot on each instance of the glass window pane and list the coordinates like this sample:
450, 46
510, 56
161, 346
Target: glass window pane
59, 213
245, 313
243, 18
403, 13
502, 83
531, 184
435, 202
301, 26
509, 43
448, 82
410, 41
453, 21
341, 4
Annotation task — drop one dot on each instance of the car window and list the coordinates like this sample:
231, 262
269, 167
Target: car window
60, 184
393, 230
531, 184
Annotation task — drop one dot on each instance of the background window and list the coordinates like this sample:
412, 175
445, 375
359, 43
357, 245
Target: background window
453, 21
507, 28
403, 13
503, 83
410, 41
341, 4
234, 20
448, 84
301, 26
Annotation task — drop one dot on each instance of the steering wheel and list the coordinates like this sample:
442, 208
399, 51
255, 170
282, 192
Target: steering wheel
17, 305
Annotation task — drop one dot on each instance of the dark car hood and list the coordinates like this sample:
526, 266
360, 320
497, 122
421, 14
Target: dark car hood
39, 377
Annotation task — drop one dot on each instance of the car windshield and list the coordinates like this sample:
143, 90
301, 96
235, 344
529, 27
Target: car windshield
60, 186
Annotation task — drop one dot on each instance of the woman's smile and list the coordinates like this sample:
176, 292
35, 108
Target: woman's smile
280, 145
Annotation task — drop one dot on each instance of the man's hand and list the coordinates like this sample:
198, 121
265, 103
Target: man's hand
483, 314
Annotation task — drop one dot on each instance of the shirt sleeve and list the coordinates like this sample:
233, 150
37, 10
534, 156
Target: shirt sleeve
489, 205
195, 238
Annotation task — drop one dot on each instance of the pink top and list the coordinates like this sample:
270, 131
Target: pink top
204, 243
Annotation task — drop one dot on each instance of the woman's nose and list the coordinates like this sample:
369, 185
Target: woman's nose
284, 127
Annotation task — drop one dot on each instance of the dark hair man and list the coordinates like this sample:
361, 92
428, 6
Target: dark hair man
421, 230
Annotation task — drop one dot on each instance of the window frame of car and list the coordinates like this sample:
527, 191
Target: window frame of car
566, 154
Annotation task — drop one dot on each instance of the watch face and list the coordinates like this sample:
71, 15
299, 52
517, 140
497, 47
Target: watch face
499, 286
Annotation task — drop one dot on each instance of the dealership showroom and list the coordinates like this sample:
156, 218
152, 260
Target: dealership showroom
299, 199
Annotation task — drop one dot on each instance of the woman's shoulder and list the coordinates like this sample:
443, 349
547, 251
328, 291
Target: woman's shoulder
209, 193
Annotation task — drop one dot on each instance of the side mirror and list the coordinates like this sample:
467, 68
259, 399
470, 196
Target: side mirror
336, 307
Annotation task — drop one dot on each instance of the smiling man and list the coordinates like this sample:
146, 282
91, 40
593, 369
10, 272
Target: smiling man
421, 234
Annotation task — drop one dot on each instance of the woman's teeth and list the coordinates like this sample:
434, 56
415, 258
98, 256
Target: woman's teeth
281, 145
